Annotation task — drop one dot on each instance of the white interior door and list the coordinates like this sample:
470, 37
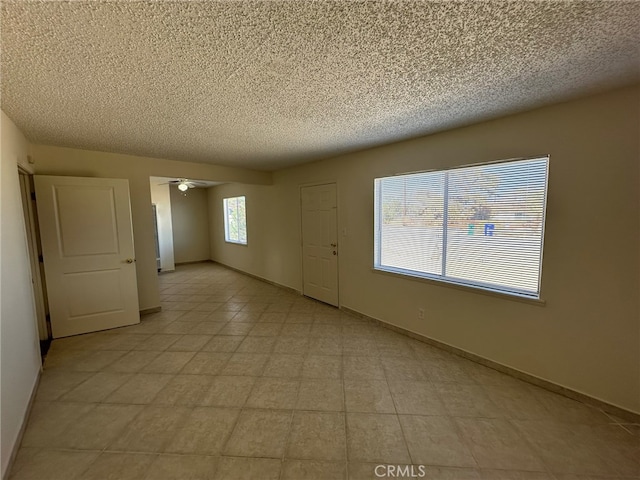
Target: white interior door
87, 245
320, 242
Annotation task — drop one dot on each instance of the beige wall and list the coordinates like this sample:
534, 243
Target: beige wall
19, 348
190, 218
586, 337
86, 163
269, 221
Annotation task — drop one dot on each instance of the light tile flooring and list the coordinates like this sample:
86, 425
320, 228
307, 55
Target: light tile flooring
238, 379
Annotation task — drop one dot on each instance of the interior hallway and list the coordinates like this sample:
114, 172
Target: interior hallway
239, 379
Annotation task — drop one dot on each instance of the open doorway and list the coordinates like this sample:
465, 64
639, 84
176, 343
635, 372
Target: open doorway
27, 194
181, 214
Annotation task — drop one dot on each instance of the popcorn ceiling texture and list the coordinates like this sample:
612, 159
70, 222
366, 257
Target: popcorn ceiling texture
271, 84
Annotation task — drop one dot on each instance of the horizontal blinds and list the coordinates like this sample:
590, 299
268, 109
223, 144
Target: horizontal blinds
410, 223
495, 224
494, 230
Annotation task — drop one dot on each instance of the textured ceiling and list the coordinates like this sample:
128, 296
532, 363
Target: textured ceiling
274, 83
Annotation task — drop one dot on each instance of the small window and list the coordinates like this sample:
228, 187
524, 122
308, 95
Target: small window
481, 225
235, 220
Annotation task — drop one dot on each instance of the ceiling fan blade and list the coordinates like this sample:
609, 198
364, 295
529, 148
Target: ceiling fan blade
188, 183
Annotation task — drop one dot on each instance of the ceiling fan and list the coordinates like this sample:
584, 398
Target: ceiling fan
185, 184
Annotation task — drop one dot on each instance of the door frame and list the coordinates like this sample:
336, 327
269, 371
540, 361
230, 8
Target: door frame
317, 184
34, 249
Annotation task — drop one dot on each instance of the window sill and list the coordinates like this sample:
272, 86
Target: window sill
466, 288
235, 243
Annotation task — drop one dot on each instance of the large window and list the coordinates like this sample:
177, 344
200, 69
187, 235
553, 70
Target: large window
235, 220
481, 225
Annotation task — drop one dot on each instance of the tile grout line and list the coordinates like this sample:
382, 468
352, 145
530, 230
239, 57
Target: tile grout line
396, 414
530, 445
299, 380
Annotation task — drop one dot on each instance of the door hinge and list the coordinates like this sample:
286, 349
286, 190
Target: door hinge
40, 258
33, 196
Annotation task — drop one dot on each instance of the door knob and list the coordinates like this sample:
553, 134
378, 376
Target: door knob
335, 253
334, 245
129, 260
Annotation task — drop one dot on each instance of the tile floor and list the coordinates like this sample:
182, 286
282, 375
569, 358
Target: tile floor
238, 379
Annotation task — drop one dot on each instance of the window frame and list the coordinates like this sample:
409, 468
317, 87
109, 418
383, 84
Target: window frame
476, 286
225, 211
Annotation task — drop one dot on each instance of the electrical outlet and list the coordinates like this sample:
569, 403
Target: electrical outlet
421, 314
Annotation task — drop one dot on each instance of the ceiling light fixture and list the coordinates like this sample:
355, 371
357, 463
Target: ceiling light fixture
183, 187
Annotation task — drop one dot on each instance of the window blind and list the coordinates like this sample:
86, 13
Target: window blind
480, 225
